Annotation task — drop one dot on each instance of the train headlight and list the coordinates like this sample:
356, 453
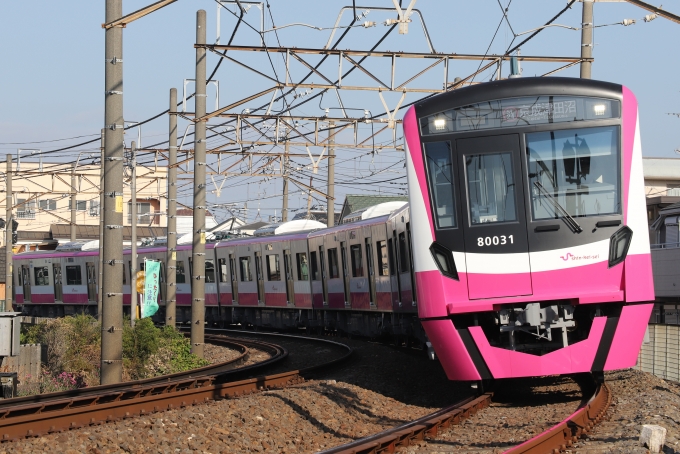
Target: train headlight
439, 124
618, 245
444, 260
599, 109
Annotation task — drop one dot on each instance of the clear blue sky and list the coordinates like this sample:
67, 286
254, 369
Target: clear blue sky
52, 56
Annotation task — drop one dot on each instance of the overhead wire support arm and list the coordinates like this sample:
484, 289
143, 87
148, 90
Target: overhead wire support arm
123, 21
658, 11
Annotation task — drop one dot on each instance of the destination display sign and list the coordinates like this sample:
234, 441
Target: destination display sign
512, 112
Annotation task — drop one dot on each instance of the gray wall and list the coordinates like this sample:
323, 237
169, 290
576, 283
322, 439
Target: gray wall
666, 272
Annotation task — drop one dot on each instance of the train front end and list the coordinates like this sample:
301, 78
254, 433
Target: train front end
529, 227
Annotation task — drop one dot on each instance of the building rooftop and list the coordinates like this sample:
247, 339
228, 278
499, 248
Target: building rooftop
661, 168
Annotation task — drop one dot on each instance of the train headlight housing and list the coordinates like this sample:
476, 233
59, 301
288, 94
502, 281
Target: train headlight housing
444, 260
618, 245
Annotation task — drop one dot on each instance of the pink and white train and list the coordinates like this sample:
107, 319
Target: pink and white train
523, 250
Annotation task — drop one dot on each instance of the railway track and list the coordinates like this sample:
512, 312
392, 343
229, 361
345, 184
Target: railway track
48, 413
554, 440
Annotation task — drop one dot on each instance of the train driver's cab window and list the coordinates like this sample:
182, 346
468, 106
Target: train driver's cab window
333, 270
244, 265
576, 170
491, 188
273, 268
41, 275
383, 267
440, 173
302, 266
316, 276
73, 276
209, 272
357, 263
180, 275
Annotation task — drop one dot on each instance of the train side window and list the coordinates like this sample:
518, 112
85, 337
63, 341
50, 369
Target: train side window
180, 277
273, 268
124, 275
222, 264
232, 267
357, 262
315, 266
403, 258
333, 269
384, 269
302, 267
73, 276
244, 263
369, 258
440, 174
390, 256
209, 272
42, 276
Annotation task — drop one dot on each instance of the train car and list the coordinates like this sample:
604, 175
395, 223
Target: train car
529, 230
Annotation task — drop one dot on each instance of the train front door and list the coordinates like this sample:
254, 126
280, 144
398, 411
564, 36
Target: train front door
494, 220
26, 278
91, 281
56, 275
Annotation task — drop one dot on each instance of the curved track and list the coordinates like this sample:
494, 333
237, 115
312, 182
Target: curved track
47, 413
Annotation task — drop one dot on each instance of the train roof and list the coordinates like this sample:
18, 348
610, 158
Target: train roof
517, 87
374, 211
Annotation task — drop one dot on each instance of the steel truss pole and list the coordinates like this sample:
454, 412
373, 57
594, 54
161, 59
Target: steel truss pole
171, 258
198, 243
112, 291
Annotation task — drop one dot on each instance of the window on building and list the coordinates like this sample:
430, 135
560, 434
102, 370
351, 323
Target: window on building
273, 269
357, 262
25, 209
302, 267
48, 204
81, 205
42, 276
94, 207
244, 264
73, 275
143, 211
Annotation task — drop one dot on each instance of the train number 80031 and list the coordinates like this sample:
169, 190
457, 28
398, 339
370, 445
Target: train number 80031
495, 240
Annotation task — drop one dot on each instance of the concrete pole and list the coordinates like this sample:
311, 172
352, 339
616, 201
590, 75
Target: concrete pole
112, 292
309, 199
7, 303
171, 261
330, 200
73, 204
198, 243
101, 232
133, 234
284, 172
587, 38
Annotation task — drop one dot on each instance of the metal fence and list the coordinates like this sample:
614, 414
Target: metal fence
660, 353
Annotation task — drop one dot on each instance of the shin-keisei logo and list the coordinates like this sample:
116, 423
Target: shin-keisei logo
569, 256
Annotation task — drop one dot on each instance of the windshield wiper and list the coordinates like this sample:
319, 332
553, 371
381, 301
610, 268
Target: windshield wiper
571, 222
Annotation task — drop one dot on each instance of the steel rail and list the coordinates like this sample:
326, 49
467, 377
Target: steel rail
561, 436
403, 435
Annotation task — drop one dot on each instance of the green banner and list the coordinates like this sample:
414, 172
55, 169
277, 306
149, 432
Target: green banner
152, 271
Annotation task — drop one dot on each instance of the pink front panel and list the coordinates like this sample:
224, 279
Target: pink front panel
496, 285
630, 332
247, 299
360, 300
575, 358
275, 299
593, 279
639, 278
303, 300
413, 141
450, 350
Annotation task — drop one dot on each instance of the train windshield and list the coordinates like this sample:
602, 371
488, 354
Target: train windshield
576, 170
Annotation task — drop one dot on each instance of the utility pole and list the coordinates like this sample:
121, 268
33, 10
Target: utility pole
133, 234
330, 199
112, 292
73, 204
101, 231
198, 243
309, 199
171, 261
7, 303
587, 38
284, 172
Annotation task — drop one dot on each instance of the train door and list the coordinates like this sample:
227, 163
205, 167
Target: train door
290, 284
324, 276
56, 273
234, 279
26, 278
345, 271
260, 278
494, 223
91, 281
394, 271
371, 271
